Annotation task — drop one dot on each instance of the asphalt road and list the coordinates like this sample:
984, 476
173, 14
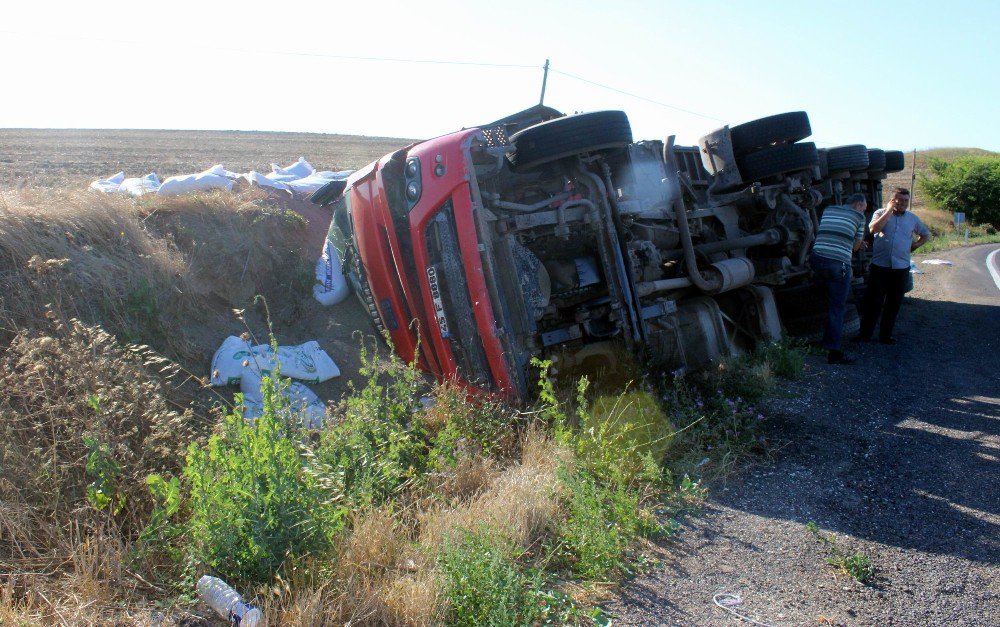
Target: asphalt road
897, 458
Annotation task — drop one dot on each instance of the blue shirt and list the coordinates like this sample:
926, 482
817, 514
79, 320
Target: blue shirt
893, 242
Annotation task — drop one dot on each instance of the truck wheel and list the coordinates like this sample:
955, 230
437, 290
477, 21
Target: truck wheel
846, 158
894, 161
568, 136
783, 128
876, 159
777, 160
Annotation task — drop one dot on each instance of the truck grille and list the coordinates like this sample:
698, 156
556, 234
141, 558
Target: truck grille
450, 295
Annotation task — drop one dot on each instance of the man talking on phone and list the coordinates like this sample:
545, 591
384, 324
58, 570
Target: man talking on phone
893, 228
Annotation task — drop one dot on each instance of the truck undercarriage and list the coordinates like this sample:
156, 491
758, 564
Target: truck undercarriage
570, 241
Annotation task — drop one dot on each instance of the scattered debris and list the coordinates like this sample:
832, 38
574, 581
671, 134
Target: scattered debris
728, 600
228, 603
298, 178
938, 262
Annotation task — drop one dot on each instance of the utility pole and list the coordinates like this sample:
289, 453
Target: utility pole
545, 79
913, 175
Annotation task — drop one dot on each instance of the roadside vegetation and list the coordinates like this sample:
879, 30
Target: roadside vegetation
123, 482
950, 180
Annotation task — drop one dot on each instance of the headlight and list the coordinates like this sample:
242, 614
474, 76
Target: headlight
413, 191
413, 187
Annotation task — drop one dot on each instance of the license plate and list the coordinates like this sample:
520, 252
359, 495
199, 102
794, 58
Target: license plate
442, 320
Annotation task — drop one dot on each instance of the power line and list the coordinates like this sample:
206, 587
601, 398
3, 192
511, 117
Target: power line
638, 97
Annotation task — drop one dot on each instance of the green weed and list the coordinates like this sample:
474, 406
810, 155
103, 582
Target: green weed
857, 565
377, 446
255, 498
105, 472
484, 583
786, 359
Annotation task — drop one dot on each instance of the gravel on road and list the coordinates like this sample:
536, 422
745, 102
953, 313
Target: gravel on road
896, 458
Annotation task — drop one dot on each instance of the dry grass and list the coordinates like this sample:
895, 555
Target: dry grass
64, 561
152, 272
518, 504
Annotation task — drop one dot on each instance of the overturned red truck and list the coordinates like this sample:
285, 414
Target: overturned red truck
543, 235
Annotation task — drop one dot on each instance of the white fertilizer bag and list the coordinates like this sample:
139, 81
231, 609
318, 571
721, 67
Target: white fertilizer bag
331, 285
203, 181
299, 169
307, 185
219, 170
256, 178
148, 184
306, 362
341, 175
227, 364
302, 401
110, 184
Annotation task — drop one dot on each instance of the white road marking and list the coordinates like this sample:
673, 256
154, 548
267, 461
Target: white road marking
992, 268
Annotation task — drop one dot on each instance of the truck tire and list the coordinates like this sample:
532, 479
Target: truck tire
777, 160
847, 158
783, 128
568, 136
876, 160
894, 161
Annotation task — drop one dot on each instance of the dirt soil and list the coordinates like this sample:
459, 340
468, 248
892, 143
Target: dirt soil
73, 156
897, 457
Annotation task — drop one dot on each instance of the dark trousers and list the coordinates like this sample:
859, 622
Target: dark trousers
883, 295
836, 276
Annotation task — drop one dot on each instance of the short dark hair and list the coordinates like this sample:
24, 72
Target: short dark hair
856, 198
901, 190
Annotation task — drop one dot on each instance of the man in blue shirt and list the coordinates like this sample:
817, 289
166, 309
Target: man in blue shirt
893, 228
840, 233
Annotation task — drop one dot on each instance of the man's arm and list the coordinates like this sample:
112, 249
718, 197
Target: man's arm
878, 221
922, 235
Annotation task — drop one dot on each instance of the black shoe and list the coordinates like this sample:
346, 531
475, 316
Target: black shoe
887, 340
838, 357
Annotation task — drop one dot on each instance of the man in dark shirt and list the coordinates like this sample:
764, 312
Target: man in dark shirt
840, 233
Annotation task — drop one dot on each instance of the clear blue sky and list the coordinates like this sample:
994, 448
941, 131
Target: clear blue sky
896, 75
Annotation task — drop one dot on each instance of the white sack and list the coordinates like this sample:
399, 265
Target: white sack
148, 184
186, 183
282, 178
110, 184
299, 169
302, 401
308, 184
331, 285
307, 362
256, 178
227, 363
218, 170
341, 175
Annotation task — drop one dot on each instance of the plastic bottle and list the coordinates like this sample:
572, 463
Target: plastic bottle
228, 603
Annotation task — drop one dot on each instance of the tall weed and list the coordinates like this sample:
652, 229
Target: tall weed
255, 498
